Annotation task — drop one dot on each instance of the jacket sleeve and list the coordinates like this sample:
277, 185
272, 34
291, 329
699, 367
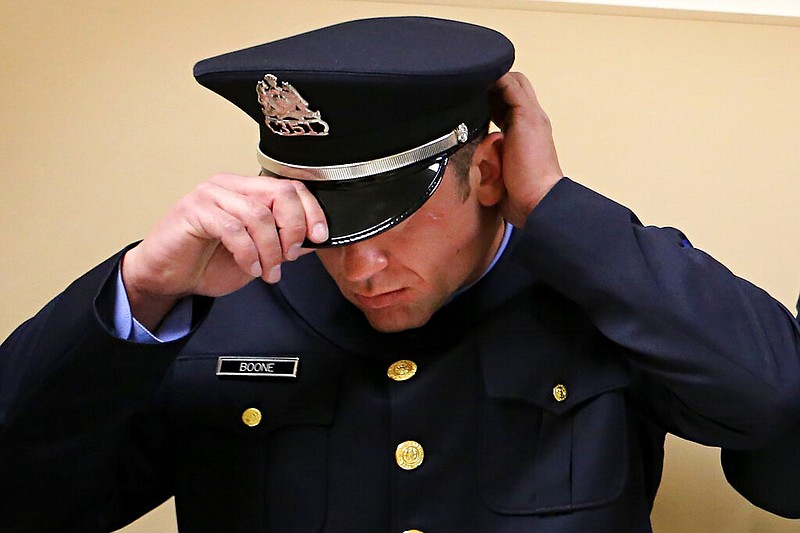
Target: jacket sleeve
714, 358
81, 448
768, 477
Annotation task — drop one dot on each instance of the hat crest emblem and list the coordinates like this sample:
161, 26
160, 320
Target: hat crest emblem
287, 113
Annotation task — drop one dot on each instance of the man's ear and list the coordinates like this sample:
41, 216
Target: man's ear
486, 170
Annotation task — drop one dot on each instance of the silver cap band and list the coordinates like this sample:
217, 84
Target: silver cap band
364, 169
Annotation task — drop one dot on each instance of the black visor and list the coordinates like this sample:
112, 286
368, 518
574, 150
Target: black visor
362, 208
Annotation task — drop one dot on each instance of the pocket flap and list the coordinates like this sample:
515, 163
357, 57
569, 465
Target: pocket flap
555, 373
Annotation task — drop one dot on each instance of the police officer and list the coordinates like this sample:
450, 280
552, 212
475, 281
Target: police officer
478, 343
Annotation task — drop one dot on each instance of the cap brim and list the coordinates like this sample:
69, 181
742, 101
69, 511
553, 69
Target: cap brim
359, 209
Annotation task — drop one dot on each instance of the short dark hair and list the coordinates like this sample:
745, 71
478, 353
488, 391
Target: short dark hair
461, 161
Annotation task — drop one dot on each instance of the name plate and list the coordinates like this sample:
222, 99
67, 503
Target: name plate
261, 367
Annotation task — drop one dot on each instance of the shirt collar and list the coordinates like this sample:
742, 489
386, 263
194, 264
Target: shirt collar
498, 254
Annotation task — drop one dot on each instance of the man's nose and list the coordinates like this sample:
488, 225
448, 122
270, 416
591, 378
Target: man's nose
362, 260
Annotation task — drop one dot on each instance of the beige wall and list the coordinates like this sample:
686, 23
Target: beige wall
691, 123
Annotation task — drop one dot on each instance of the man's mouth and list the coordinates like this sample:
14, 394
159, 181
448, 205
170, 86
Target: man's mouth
379, 300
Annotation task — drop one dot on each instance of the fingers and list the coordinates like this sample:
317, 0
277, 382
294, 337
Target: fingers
502, 98
315, 218
282, 197
261, 221
529, 159
245, 227
512, 98
298, 220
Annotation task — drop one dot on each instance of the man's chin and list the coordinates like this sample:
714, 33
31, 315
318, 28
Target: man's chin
395, 320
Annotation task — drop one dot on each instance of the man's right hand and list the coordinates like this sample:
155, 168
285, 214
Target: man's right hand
219, 237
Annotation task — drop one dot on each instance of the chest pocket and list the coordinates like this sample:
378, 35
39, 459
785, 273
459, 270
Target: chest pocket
268, 474
553, 430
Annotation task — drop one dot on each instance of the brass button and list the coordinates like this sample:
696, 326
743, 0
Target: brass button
560, 392
412, 531
251, 417
402, 370
409, 455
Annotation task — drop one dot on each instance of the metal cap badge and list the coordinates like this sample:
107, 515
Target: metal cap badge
285, 111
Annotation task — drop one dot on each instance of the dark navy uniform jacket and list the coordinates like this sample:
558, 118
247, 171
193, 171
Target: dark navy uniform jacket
541, 398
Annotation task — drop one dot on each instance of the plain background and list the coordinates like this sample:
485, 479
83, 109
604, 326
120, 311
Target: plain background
689, 121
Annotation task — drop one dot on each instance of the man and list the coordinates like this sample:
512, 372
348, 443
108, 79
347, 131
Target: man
478, 344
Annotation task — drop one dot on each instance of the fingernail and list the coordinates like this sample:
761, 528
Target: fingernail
255, 270
274, 275
319, 233
293, 252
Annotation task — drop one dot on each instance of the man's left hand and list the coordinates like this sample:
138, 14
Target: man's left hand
529, 161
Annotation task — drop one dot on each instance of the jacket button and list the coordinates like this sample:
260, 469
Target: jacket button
409, 455
560, 392
251, 417
402, 370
